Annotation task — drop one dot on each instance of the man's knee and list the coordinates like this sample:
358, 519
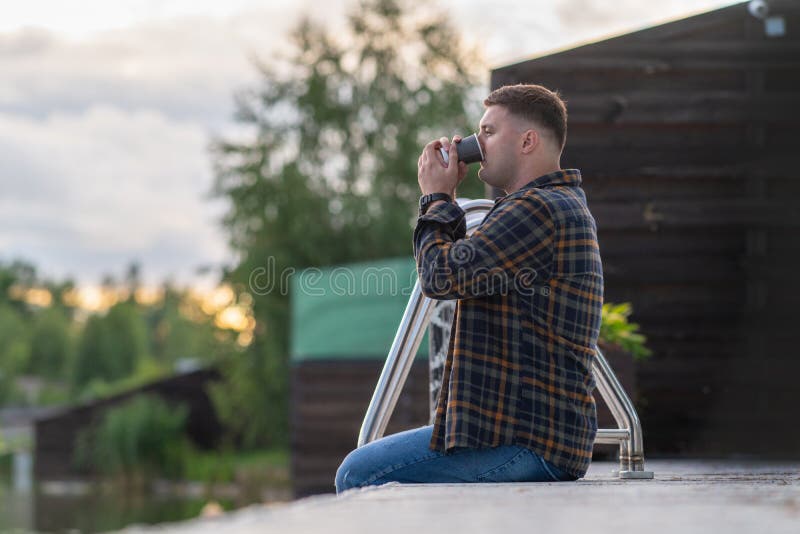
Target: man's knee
348, 475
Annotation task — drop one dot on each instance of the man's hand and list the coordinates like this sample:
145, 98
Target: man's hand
433, 174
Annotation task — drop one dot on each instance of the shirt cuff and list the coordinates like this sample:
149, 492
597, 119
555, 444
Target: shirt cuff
443, 212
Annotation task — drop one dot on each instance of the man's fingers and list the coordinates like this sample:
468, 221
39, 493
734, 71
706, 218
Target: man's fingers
433, 150
453, 152
462, 171
430, 147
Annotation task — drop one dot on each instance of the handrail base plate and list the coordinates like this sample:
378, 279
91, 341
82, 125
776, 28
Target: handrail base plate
634, 475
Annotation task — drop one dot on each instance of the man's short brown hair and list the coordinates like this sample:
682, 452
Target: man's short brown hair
534, 103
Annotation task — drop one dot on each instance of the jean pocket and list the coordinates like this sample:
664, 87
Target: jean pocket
513, 470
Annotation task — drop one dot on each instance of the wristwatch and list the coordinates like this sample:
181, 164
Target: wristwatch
430, 198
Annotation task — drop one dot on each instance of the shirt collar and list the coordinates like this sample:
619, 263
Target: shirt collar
562, 177
569, 177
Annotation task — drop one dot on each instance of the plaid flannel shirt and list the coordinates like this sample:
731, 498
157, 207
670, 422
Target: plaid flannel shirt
529, 284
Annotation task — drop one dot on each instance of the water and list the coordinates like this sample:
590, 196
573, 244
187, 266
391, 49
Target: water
87, 508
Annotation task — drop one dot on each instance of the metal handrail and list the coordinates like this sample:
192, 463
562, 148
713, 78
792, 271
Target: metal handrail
409, 336
405, 345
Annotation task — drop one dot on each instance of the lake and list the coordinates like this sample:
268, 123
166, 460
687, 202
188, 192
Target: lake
93, 507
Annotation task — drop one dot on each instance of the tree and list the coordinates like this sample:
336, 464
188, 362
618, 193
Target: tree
330, 175
50, 343
14, 351
111, 345
92, 358
174, 336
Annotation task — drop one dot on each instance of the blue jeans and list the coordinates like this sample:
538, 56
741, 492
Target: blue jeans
405, 457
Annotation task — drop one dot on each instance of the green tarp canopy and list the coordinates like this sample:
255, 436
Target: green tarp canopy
350, 311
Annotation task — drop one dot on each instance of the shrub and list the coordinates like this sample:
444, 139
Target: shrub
143, 437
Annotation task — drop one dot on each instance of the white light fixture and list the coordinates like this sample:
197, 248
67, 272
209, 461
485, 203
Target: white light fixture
774, 26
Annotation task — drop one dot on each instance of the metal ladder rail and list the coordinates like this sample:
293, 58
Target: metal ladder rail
409, 336
406, 342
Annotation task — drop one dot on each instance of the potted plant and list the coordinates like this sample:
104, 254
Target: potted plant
622, 345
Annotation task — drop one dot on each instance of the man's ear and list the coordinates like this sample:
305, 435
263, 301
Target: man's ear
530, 140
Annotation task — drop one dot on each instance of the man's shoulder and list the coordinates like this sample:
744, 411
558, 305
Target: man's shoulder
550, 197
560, 202
530, 200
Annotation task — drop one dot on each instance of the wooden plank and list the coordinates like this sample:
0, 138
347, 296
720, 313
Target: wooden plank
782, 80
645, 77
671, 242
597, 162
625, 107
329, 399
651, 297
622, 61
679, 136
724, 50
695, 213
660, 135
636, 189
674, 332
773, 169
671, 270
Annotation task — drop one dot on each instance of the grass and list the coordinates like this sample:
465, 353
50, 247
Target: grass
268, 467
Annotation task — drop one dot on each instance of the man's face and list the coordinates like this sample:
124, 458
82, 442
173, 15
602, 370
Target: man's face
498, 138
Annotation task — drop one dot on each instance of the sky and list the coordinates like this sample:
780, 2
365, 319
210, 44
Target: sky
107, 110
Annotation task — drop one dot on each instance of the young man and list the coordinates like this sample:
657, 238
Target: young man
516, 400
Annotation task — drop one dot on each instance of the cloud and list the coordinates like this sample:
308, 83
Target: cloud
175, 70
104, 143
599, 19
82, 189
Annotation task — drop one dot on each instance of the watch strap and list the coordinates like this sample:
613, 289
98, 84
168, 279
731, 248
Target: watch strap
426, 200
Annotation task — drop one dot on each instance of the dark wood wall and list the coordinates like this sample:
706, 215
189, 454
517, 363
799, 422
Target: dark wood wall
328, 402
687, 137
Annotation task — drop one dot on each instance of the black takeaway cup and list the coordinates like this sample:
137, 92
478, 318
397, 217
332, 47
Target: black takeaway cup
469, 150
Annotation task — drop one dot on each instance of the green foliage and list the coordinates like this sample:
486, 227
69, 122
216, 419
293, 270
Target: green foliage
17, 274
142, 437
147, 370
269, 467
50, 355
210, 467
330, 173
91, 360
173, 336
14, 340
616, 329
111, 345
51, 344
14, 352
128, 337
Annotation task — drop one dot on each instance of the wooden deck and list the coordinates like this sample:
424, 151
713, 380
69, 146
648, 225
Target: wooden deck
685, 496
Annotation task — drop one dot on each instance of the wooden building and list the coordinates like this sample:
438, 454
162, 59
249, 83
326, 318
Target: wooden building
56, 433
344, 319
687, 136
